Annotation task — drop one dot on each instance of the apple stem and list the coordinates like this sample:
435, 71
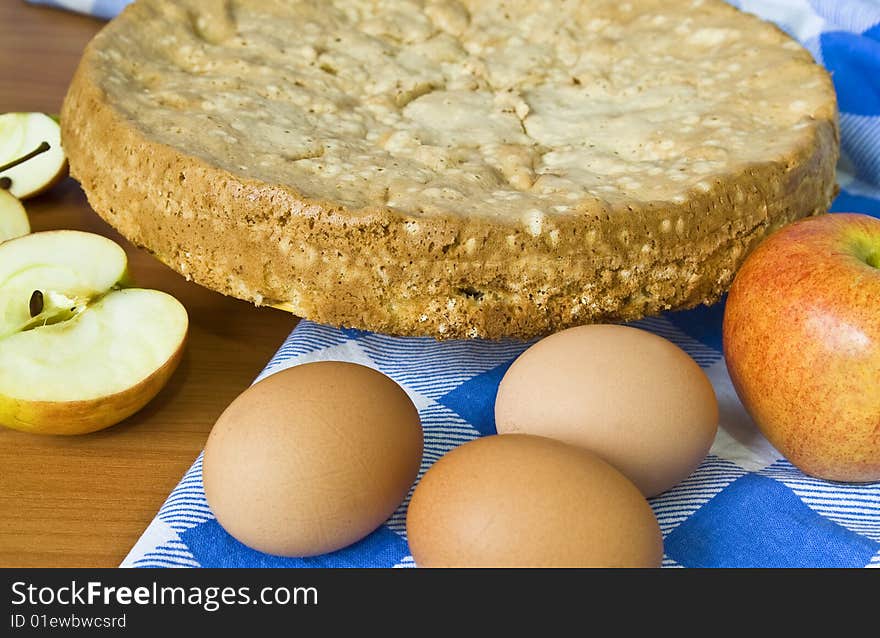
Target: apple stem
42, 148
35, 305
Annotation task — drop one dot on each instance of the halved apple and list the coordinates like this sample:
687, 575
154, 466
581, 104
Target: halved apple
31, 157
13, 217
68, 267
78, 353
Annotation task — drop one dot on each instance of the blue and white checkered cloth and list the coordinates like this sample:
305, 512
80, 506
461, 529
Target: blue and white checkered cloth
744, 507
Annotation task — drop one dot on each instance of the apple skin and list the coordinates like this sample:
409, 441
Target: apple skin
802, 343
84, 417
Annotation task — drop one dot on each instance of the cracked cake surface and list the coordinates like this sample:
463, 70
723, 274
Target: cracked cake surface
449, 168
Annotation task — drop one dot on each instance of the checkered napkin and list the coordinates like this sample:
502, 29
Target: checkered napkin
98, 8
744, 506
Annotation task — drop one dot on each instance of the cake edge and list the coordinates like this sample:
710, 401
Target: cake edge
446, 277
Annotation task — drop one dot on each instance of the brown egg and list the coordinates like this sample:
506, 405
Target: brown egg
312, 459
516, 500
634, 398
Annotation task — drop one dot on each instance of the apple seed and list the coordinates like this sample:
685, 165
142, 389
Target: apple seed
36, 303
5, 183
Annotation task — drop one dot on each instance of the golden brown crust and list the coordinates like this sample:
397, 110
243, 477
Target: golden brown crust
446, 276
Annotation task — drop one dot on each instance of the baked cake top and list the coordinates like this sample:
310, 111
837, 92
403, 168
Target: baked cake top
502, 110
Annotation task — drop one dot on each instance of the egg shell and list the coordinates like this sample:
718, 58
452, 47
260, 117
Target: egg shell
312, 458
516, 500
634, 398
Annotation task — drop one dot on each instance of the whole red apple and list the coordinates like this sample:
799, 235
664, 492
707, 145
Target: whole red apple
802, 343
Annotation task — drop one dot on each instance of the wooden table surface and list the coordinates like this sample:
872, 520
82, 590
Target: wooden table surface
83, 501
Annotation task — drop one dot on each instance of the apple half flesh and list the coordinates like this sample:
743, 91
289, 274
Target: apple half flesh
22, 134
77, 353
68, 267
13, 217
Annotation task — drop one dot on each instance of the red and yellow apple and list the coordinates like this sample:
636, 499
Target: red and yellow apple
802, 343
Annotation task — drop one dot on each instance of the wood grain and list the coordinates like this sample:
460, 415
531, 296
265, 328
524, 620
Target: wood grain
83, 501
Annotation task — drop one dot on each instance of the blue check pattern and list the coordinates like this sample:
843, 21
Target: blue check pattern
745, 506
